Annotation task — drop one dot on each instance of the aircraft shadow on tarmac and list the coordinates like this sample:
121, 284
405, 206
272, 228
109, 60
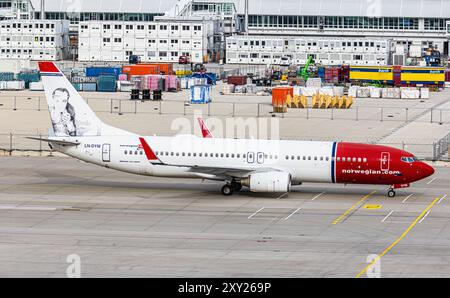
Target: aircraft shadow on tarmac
197, 186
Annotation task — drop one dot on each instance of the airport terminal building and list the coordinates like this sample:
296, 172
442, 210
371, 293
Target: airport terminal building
246, 31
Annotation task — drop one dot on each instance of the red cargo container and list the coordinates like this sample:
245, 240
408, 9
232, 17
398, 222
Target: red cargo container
148, 69
345, 74
332, 75
397, 75
140, 70
447, 75
237, 80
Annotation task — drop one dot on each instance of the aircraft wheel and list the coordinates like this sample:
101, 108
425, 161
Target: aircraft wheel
391, 193
227, 190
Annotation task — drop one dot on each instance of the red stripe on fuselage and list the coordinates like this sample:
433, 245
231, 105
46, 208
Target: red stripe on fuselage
373, 164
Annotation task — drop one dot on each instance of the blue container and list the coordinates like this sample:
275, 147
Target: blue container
6, 76
99, 71
210, 77
321, 73
29, 77
200, 94
89, 87
78, 86
107, 84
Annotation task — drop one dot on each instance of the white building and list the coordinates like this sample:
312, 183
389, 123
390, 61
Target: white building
269, 50
408, 22
33, 39
164, 40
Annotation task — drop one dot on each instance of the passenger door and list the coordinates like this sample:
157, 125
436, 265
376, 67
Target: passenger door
106, 153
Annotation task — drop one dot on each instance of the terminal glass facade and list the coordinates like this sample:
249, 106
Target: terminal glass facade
335, 22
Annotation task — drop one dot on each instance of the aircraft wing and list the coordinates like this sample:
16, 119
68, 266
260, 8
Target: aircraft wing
228, 172
213, 173
58, 142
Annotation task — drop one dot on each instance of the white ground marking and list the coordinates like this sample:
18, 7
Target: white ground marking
431, 181
423, 218
387, 216
407, 198
256, 213
283, 195
441, 199
30, 208
293, 213
313, 199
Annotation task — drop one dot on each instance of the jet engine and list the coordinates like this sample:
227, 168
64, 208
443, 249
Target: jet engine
268, 182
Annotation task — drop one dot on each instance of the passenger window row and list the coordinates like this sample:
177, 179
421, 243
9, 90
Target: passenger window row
266, 156
352, 159
134, 152
210, 155
309, 158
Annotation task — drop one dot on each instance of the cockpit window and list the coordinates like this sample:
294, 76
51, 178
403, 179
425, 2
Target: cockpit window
410, 159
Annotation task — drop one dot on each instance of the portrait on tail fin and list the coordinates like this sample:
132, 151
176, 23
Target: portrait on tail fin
62, 113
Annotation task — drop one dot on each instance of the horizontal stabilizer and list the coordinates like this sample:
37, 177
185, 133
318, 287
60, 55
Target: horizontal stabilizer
58, 142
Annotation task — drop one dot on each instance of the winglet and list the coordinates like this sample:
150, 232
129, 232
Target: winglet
205, 131
151, 156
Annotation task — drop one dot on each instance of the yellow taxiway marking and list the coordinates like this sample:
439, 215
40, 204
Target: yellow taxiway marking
337, 220
419, 218
371, 207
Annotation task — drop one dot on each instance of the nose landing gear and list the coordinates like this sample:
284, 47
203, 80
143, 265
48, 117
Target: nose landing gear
391, 193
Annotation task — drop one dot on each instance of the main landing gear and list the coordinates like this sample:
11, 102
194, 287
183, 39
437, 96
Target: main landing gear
229, 188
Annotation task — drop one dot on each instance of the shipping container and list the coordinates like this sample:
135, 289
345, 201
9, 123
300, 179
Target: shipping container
370, 74
6, 76
141, 70
412, 76
89, 87
29, 77
237, 80
98, 71
211, 78
332, 75
447, 76
321, 73
78, 86
397, 75
106, 84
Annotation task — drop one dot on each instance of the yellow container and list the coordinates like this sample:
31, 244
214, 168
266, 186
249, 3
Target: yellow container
372, 73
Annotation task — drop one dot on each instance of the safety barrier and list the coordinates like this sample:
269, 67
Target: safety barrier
356, 113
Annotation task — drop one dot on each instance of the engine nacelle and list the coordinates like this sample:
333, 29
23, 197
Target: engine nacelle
268, 182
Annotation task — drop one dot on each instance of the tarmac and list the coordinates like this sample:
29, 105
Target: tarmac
122, 225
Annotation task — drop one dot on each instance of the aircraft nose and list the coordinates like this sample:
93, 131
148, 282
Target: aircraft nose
426, 170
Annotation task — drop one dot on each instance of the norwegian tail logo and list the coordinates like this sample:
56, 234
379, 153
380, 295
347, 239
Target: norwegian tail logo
70, 114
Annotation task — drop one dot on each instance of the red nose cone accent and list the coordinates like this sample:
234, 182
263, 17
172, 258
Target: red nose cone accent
427, 170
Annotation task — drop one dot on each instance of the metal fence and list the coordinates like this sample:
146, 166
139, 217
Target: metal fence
12, 143
241, 109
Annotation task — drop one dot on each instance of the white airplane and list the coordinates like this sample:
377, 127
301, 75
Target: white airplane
271, 166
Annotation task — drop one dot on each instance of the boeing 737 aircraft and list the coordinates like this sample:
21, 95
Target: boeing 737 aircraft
270, 166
